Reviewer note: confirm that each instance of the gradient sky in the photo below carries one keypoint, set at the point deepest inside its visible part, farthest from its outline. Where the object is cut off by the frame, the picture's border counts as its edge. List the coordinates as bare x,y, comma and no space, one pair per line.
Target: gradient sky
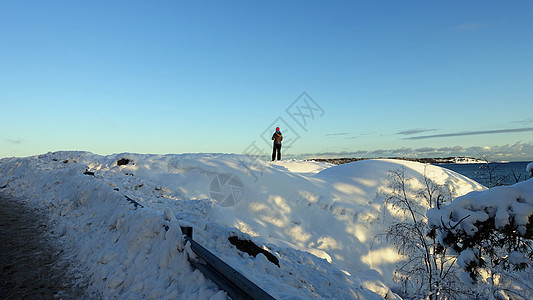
341,78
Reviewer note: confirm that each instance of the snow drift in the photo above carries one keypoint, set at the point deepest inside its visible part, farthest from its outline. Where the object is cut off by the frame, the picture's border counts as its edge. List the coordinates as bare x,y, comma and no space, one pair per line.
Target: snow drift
318,219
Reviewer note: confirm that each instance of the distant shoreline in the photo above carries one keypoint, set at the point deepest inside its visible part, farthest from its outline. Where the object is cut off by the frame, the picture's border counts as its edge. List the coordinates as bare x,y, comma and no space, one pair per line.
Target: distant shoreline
430,160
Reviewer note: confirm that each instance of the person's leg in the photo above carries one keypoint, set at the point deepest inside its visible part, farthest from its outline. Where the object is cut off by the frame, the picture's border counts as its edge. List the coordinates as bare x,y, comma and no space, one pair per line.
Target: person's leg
279,151
274,152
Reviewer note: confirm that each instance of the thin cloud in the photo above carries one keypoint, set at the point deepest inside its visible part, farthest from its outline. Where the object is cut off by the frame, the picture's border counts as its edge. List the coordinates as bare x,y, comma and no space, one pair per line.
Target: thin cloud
449,149
337,134
414,131
426,150
517,151
343,135
401,151
16,142
379,152
526,121
466,133
367,133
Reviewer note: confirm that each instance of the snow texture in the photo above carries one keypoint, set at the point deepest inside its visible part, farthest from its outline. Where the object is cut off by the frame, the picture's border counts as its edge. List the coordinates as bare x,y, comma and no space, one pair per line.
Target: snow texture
318,219
506,204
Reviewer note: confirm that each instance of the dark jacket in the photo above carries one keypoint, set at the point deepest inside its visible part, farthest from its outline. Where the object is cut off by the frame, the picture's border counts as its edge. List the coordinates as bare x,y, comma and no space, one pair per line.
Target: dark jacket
277,137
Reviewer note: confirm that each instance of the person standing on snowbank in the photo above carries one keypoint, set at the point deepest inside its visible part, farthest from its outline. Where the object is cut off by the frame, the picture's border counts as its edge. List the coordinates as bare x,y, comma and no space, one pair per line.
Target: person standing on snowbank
277,137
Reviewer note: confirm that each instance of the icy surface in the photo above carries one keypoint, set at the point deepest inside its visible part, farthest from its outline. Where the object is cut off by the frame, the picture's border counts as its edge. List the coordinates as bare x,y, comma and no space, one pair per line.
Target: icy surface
319,220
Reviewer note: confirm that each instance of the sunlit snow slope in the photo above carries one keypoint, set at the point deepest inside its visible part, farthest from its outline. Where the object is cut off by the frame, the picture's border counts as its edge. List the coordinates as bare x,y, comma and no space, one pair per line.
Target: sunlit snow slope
319,220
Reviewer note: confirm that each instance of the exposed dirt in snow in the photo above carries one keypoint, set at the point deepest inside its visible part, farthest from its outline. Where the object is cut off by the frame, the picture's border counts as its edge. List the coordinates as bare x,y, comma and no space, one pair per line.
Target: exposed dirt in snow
30,267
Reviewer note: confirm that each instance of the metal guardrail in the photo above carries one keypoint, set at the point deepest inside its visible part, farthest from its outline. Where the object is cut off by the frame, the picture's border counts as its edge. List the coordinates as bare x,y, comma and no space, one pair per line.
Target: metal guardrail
228,279
234,283
135,203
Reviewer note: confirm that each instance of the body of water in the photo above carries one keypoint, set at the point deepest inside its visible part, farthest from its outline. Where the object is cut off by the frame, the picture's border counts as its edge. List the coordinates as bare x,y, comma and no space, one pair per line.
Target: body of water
502,173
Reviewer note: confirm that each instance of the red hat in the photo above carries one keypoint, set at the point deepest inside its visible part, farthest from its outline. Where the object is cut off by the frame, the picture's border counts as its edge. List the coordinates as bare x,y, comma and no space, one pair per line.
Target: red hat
277,128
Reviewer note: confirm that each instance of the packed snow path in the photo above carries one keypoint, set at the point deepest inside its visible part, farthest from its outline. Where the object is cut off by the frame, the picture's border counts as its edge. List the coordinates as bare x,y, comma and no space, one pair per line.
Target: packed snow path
31,268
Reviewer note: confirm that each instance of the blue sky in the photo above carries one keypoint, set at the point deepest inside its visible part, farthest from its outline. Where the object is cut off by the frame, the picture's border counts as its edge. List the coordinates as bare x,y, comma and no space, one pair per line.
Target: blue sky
368,78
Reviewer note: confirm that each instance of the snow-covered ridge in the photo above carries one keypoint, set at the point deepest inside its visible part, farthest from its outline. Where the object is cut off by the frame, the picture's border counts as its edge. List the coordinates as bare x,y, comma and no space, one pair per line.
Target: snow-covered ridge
468,160
319,220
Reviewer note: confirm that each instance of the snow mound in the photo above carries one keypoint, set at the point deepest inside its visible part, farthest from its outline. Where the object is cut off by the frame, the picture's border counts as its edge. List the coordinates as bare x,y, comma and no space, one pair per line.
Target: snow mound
301,167
319,220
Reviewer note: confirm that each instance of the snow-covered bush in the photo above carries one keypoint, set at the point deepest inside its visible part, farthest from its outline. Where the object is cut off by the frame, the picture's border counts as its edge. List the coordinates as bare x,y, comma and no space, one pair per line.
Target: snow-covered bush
529,169
428,271
492,233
